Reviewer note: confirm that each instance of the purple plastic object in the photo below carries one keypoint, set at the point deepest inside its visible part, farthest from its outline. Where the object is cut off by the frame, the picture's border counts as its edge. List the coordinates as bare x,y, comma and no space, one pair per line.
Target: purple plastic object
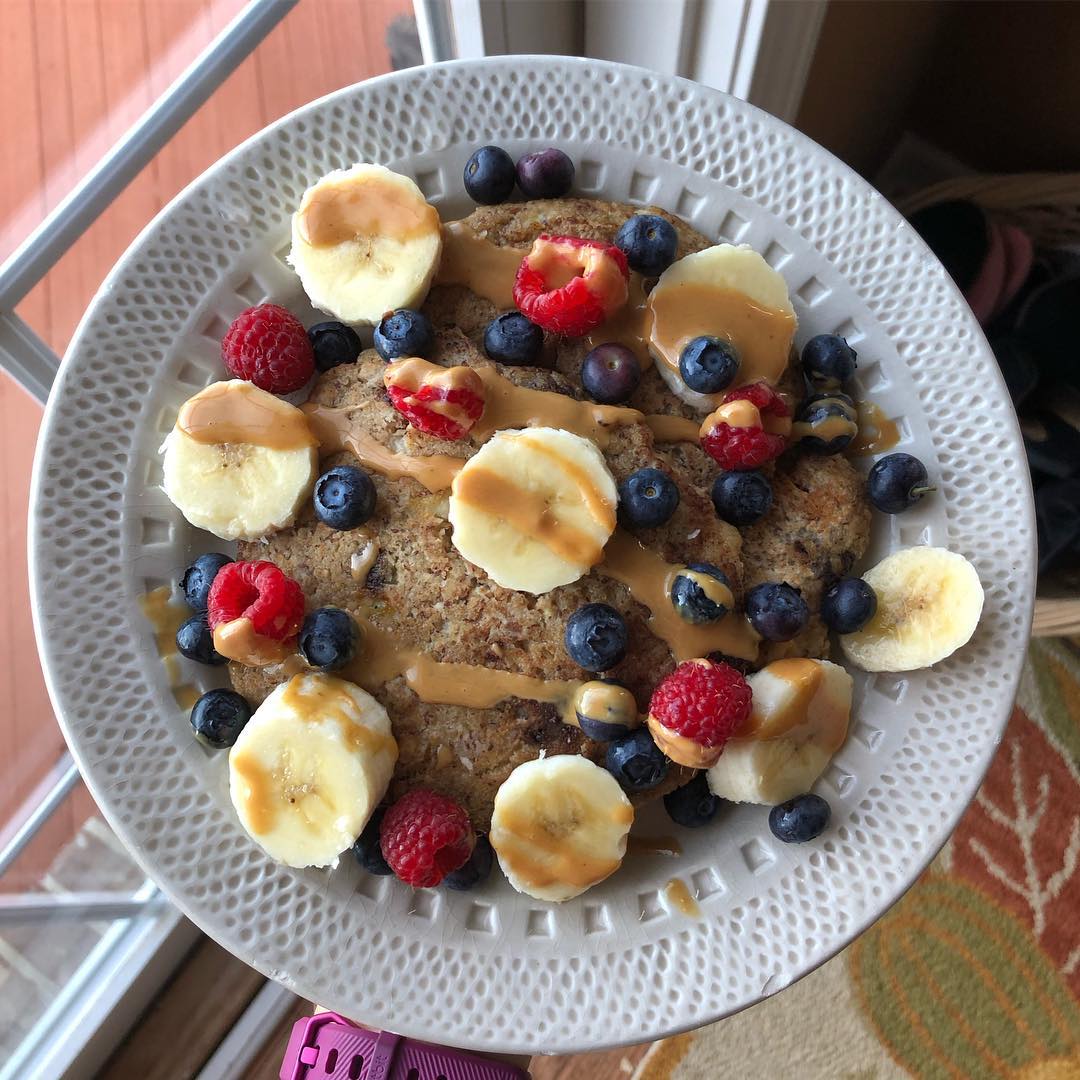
329,1047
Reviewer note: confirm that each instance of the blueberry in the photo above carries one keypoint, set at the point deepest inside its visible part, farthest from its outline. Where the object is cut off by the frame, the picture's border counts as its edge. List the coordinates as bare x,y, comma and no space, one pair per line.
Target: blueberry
489,175
195,641
701,593
692,805
741,498
512,339
708,365
610,373
897,482
218,717
848,605
334,343
475,870
596,637
199,576
776,610
636,761
800,819
828,361
367,849
344,497
649,243
605,710
647,498
826,423
329,638
545,174
404,333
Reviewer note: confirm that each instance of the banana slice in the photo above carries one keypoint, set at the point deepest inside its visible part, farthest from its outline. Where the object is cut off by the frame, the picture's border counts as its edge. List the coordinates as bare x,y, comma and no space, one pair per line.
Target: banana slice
929,603
239,462
727,292
310,767
365,241
534,508
799,720
559,826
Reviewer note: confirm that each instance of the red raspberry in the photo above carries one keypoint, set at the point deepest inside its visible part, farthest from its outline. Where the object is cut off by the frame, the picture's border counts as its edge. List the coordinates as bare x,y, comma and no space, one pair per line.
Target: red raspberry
703,701
761,394
425,836
569,286
735,449
444,402
268,346
258,591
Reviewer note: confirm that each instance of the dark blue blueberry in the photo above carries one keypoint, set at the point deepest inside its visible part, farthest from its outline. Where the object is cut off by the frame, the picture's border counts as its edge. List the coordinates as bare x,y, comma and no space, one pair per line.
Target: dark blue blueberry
512,339
649,243
596,637
610,373
692,805
545,174
708,365
741,498
700,593
826,423
344,497
647,498
333,343
475,871
605,710
218,717
367,849
776,610
800,819
897,482
848,605
404,333
636,761
489,175
828,362
195,641
199,576
329,638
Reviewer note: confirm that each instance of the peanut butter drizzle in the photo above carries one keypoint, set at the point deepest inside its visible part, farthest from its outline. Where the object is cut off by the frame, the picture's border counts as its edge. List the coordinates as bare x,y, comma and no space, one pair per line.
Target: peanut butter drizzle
601,508
361,562
363,207
444,757
738,413
186,695
678,895
259,792
806,678
648,577
629,325
653,845
673,429
832,427
319,697
876,431
165,617
480,265
681,750
238,412
238,641
608,703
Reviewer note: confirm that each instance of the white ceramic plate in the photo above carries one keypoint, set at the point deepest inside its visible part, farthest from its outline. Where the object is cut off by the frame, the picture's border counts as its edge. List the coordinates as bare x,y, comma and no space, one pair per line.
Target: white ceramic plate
492,969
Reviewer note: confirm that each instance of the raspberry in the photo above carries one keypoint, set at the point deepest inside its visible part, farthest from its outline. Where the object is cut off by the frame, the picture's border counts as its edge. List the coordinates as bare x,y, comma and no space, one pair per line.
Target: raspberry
444,402
703,701
739,448
762,395
266,345
258,591
425,836
596,287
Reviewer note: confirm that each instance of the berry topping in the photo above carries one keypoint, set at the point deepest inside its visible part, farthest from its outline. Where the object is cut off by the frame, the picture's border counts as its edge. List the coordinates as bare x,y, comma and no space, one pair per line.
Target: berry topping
195,641
636,761
702,702
776,610
404,333
610,373
741,498
828,362
897,482
328,638
476,869
692,805
605,710
425,836
334,344
647,498
734,437
649,243
570,286
848,605
442,402
199,576
268,346
800,819
763,397
218,717
367,850
512,339
489,175
708,365
258,591
701,593
596,637
344,497
545,174
826,423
